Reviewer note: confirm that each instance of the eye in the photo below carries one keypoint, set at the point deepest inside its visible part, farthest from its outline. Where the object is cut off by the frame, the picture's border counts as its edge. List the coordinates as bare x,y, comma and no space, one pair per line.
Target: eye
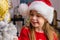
38,15
31,14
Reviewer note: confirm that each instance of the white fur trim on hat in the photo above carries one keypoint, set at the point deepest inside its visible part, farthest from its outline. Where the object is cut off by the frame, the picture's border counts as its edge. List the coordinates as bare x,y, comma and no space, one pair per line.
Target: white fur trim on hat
42,8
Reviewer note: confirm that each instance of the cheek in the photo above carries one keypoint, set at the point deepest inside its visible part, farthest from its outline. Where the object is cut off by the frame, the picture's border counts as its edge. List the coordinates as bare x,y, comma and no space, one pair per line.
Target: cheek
30,18
41,21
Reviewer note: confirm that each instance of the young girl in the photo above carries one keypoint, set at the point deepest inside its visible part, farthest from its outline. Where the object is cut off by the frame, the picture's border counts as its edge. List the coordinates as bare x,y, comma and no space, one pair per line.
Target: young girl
41,16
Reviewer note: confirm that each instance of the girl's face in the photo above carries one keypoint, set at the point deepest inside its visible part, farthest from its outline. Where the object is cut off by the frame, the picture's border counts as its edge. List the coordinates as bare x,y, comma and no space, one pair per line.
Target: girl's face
36,19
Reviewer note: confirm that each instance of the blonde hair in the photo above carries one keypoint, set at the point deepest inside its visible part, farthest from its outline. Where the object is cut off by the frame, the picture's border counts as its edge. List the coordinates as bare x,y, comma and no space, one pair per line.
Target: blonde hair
48,30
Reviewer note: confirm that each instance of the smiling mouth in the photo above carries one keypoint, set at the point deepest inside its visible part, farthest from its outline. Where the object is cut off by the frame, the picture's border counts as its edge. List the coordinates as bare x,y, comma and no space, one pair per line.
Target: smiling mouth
35,22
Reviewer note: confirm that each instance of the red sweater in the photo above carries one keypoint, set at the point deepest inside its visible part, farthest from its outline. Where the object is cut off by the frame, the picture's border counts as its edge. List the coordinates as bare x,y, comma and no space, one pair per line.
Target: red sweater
39,36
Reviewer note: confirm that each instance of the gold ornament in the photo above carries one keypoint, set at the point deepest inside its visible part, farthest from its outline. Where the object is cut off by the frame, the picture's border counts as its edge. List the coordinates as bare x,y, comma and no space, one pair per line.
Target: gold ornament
4,7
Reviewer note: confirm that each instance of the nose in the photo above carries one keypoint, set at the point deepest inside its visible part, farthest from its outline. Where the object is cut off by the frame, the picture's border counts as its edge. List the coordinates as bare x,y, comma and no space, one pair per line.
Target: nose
34,18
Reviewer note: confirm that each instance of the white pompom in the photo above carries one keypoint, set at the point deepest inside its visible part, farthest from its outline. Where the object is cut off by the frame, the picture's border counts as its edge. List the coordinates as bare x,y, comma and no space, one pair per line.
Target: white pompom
23,8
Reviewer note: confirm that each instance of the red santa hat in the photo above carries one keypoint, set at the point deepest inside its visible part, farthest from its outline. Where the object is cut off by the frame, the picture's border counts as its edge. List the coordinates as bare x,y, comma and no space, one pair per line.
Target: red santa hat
46,1
44,8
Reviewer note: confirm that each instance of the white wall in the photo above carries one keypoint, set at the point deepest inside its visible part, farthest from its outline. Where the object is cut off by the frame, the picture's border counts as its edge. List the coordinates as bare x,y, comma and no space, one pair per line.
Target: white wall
56,5
14,4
